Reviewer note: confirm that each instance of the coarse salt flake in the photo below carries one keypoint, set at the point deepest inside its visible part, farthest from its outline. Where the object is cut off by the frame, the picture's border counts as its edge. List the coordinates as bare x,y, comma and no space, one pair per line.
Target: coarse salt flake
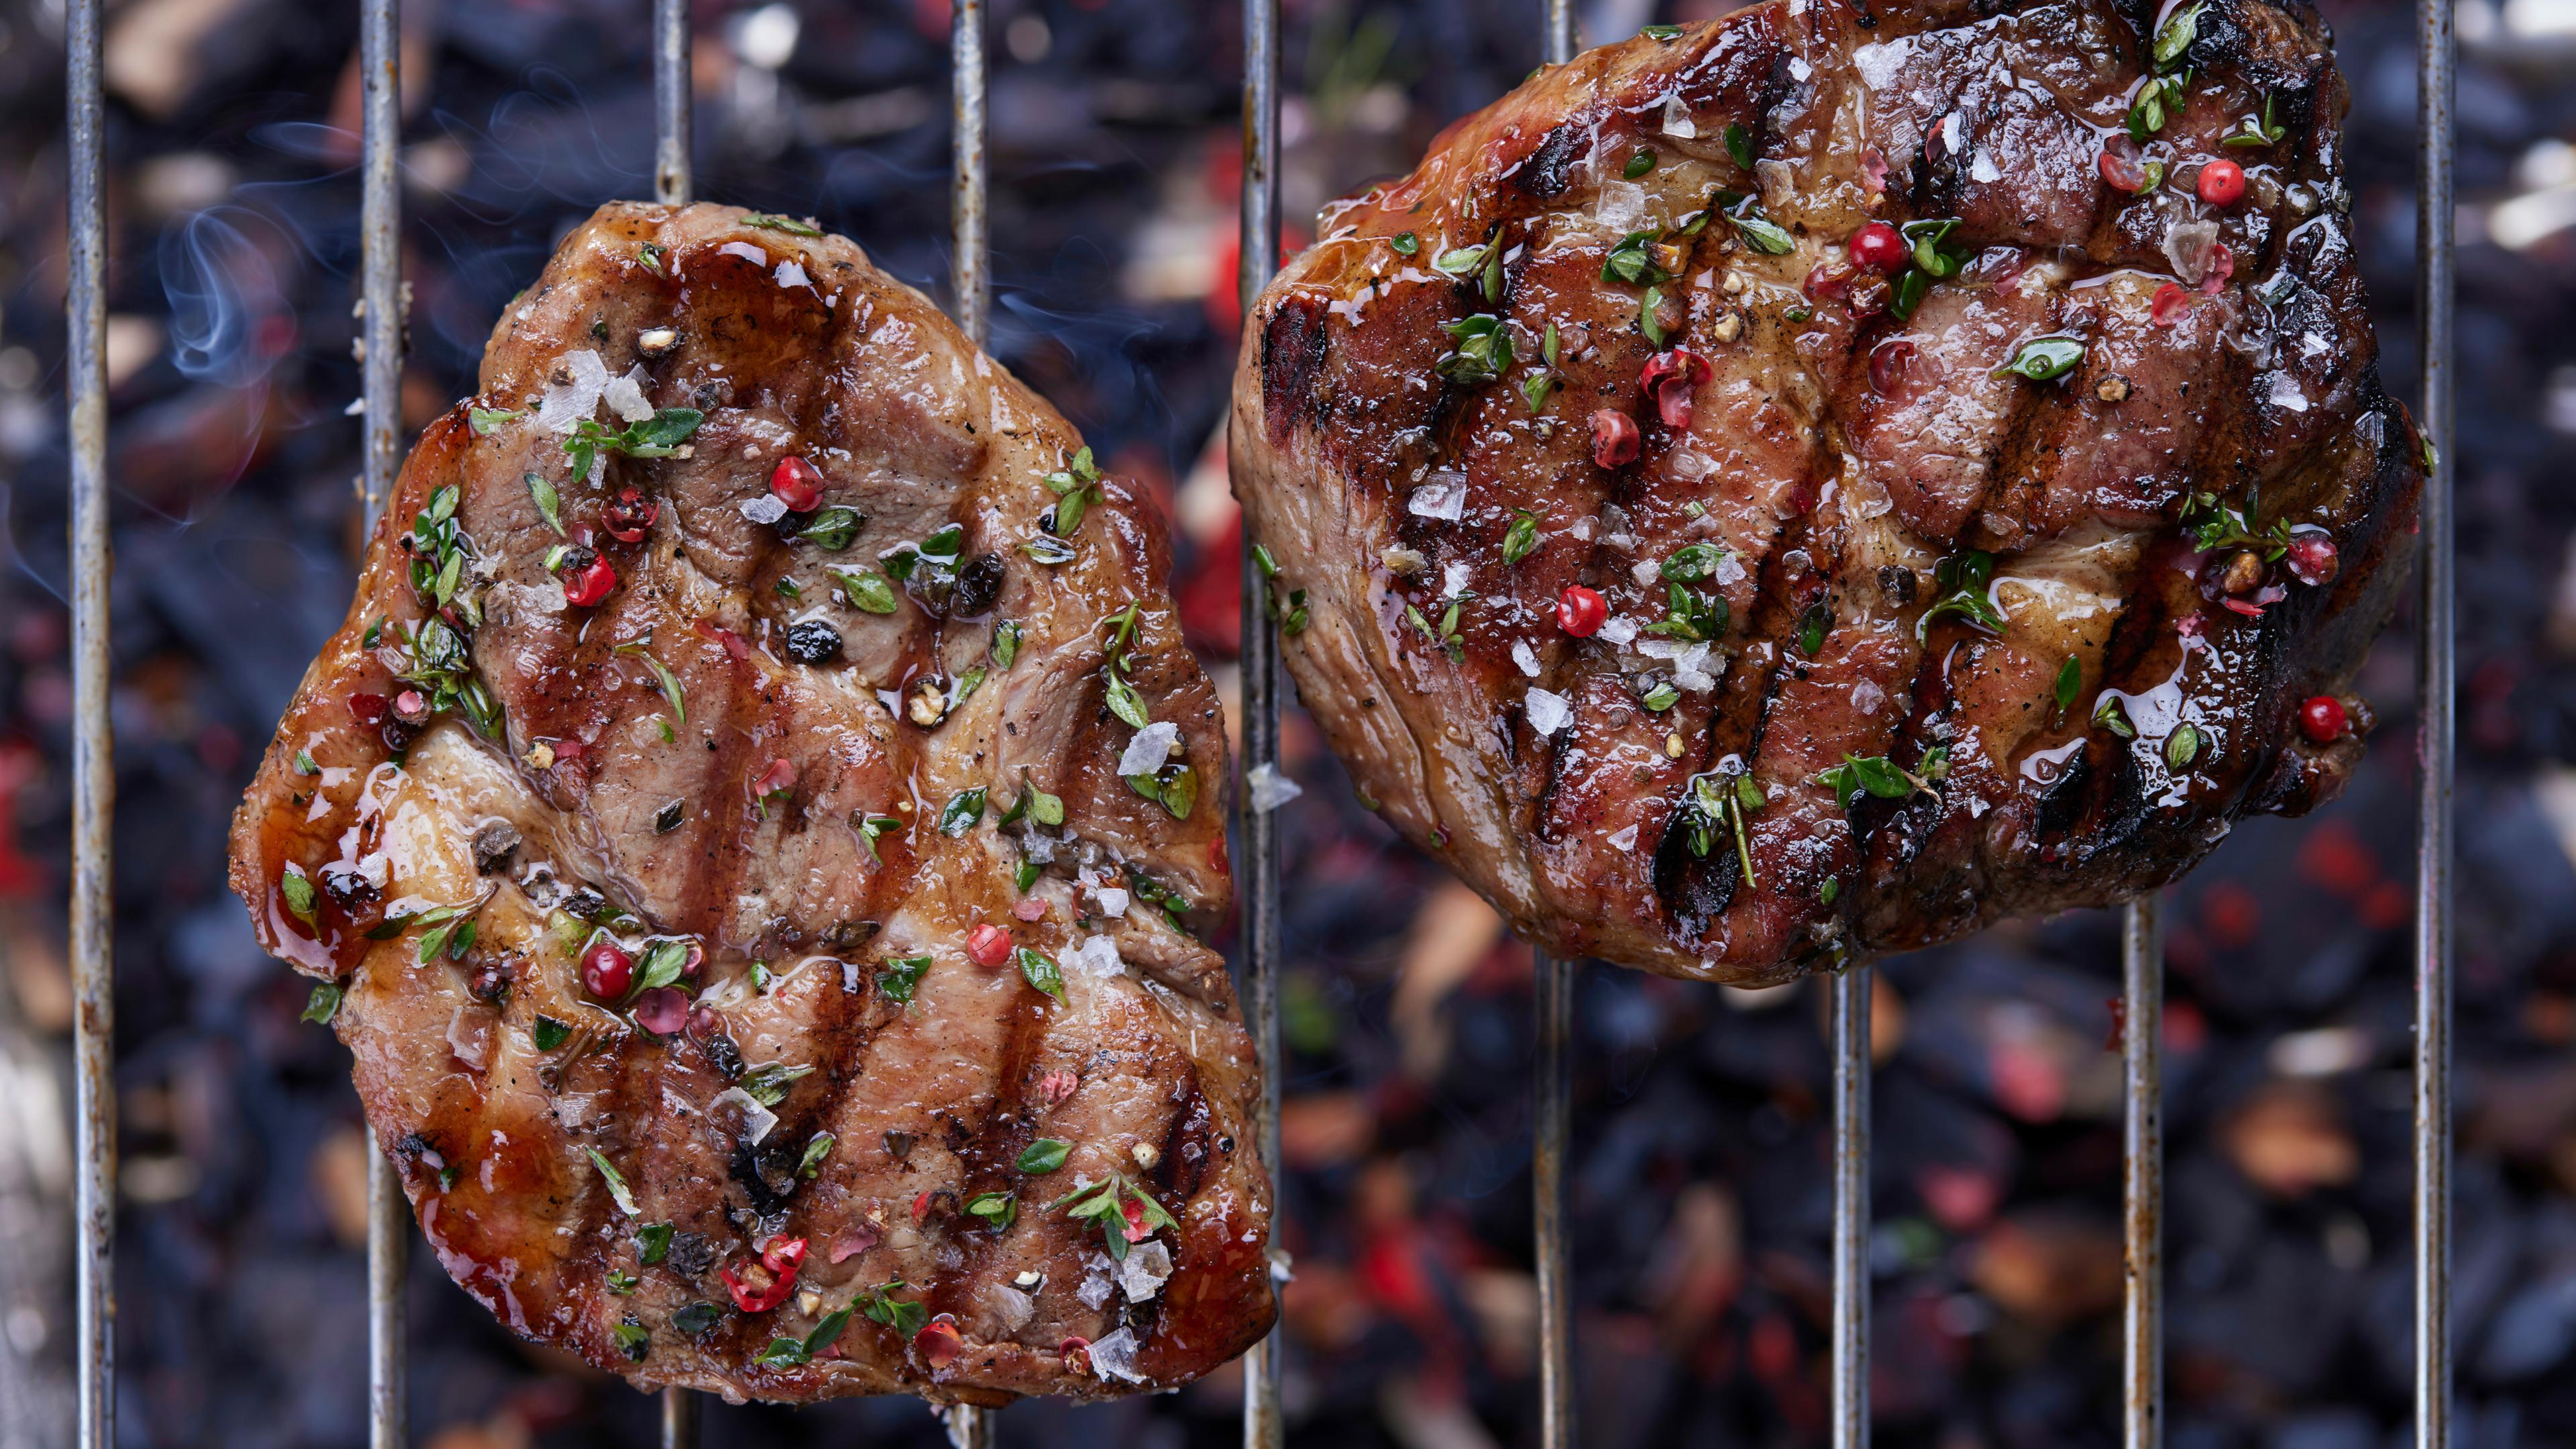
1097,956
1522,656
1442,496
1148,1264
572,402
1151,747
764,509
1115,1356
1548,712
1270,789
625,395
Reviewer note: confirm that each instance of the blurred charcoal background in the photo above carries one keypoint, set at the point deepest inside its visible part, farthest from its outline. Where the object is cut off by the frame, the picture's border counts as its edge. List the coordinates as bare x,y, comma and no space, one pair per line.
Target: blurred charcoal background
1700,1195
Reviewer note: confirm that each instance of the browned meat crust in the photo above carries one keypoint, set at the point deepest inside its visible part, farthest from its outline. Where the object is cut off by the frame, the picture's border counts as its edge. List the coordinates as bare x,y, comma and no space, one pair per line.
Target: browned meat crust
676,769
1834,454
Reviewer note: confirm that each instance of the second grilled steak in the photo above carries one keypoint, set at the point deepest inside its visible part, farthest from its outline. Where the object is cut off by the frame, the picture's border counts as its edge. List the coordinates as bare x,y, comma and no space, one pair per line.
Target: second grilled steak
1805,486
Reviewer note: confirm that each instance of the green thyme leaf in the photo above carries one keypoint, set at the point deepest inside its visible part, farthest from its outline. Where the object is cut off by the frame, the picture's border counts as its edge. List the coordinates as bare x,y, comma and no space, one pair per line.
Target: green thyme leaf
781,223
618,1192
324,1003
544,494
1039,972
878,1305
2174,37
817,1147
1763,235
2070,678
964,811
2182,747
1482,353
767,1083
1462,261
873,828
866,589
550,1033
1632,261
663,962
1811,628
1406,244
484,420
1739,144
670,682
900,976
1125,702
652,1241
1694,562
1044,1156
296,890
2044,359
833,528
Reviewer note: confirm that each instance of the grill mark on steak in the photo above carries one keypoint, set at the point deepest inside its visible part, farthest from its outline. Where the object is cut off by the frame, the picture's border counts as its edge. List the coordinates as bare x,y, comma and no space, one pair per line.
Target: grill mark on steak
1991,114
1293,344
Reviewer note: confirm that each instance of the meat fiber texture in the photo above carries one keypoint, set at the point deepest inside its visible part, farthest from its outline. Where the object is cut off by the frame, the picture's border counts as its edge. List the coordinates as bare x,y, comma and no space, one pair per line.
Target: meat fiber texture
798,832
1897,642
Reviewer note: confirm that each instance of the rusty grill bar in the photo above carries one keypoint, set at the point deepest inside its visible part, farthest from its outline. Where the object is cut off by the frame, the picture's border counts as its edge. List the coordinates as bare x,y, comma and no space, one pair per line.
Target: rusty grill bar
91,917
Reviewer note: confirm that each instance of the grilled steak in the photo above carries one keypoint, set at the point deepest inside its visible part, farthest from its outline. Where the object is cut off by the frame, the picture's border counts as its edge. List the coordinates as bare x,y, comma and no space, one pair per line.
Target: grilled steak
1808,485
758,810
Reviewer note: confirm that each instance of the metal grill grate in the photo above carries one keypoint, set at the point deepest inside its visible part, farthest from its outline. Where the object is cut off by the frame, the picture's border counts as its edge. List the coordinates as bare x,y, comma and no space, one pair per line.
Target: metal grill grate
93,778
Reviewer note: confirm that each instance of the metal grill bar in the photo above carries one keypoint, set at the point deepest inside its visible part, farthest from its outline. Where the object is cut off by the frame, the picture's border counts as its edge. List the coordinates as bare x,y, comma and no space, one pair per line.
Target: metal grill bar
967,277
1264,1419
1847,1031
2434,60
380,227
1552,1116
93,747
2142,1179
672,182
1550,1130
679,1419
968,1426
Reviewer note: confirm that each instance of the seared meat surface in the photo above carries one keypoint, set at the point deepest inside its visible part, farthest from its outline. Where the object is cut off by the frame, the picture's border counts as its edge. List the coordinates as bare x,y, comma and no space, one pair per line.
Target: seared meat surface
757,816
1807,485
